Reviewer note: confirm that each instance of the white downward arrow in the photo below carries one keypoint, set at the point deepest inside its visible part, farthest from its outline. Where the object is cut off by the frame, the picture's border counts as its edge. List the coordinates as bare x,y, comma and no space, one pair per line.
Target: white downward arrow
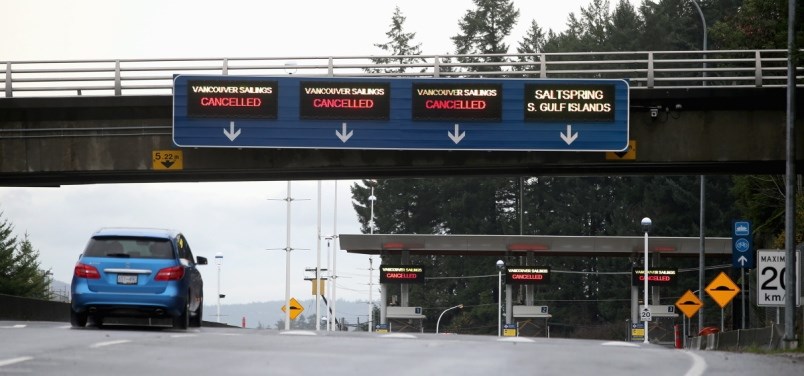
231,133
570,137
345,136
458,135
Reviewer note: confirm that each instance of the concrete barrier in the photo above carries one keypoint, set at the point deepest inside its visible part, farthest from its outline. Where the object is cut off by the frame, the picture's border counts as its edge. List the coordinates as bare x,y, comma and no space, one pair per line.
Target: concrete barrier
768,338
27,309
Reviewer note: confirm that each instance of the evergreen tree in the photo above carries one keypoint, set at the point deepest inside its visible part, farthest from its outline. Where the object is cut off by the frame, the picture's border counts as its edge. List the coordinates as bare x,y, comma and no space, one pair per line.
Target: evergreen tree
483,31
8,245
400,43
20,274
756,24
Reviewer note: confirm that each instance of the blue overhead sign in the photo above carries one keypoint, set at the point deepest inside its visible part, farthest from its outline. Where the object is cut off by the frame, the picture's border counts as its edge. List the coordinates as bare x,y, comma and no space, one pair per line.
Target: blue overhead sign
742,244
400,113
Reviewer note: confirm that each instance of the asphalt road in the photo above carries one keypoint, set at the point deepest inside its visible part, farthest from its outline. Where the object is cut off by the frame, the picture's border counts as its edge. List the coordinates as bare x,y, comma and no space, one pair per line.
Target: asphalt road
46,348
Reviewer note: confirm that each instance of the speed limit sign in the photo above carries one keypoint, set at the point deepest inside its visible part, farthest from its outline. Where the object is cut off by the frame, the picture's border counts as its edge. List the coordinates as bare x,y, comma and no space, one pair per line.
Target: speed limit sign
771,271
645,315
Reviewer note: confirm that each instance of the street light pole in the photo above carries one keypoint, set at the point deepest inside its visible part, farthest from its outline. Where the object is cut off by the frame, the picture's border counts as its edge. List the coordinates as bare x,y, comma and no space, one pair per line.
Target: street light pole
438,322
703,23
219,259
646,223
372,198
500,266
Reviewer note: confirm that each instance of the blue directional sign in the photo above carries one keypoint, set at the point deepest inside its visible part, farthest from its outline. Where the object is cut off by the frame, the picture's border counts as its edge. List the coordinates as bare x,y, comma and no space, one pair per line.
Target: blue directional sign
742,254
400,113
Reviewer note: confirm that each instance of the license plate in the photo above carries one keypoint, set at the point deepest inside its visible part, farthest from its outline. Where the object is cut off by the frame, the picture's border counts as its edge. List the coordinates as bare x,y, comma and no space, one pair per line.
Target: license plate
126,279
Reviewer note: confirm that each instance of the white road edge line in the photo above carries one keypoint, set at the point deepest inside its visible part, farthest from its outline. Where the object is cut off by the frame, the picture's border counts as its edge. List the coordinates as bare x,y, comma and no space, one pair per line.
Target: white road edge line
698,364
11,361
108,343
18,326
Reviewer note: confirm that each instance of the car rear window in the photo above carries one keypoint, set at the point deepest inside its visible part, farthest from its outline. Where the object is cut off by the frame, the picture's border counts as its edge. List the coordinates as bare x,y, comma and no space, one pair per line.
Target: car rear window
127,247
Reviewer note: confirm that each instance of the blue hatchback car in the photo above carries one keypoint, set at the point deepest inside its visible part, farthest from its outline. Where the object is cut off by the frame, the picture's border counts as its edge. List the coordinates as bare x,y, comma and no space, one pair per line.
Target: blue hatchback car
137,272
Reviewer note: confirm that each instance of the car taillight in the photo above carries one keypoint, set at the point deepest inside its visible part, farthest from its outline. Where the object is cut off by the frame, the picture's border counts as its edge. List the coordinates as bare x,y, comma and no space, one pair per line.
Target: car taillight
86,271
173,273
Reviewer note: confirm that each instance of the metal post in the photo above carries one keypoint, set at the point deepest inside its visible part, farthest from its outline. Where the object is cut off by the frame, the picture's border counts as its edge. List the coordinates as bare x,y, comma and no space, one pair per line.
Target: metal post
790,192
742,296
646,225
702,252
219,258
645,277
499,302
703,24
335,255
318,265
287,266
372,198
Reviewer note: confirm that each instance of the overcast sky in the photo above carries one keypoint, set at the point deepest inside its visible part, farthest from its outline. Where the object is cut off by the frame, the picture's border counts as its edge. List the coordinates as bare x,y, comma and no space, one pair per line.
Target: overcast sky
238,219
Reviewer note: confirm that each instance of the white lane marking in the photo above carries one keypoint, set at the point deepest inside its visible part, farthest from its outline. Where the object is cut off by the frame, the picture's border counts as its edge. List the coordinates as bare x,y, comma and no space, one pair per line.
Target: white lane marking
297,333
11,361
515,339
398,335
18,326
619,343
108,343
183,335
698,364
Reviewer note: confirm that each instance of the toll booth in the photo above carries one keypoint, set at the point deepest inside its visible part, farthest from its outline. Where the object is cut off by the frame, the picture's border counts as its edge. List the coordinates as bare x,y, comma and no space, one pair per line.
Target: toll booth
661,326
405,319
534,321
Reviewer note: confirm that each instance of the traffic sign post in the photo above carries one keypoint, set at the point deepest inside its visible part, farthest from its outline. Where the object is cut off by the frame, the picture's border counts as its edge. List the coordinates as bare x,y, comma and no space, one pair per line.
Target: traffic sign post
295,308
742,244
722,290
689,304
400,113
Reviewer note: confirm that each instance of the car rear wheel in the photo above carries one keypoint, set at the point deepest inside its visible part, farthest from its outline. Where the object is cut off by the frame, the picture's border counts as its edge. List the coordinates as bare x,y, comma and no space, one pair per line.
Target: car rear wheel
78,319
182,321
195,321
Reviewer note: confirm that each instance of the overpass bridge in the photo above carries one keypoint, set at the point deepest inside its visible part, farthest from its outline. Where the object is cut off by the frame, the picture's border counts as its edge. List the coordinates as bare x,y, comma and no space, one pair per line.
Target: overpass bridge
105,121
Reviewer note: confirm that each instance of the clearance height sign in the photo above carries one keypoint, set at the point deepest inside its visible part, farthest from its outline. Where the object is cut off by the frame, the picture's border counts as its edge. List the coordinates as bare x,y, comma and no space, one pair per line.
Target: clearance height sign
400,113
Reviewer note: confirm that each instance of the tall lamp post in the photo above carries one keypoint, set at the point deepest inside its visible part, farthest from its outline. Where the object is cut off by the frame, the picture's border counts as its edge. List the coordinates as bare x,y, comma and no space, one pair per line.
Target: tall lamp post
500,267
219,260
372,198
701,261
646,223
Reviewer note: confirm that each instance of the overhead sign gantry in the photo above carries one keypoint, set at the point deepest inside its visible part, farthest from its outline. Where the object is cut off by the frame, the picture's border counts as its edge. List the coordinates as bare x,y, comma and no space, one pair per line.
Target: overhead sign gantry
400,113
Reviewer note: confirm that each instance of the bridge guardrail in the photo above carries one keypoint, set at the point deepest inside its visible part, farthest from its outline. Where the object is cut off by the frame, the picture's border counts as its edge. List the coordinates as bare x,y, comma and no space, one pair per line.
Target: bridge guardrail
644,69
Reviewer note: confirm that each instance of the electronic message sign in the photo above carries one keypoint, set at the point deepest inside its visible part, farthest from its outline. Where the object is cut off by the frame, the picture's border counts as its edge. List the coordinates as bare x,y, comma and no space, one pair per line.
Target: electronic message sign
527,275
381,113
344,100
457,101
401,274
569,102
656,277
232,99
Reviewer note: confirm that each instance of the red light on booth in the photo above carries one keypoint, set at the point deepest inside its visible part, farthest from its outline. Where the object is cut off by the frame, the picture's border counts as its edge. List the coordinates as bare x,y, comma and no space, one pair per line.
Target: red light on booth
527,247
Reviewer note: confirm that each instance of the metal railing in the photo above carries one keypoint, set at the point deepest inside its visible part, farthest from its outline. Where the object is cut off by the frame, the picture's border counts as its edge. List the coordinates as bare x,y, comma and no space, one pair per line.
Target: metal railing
644,70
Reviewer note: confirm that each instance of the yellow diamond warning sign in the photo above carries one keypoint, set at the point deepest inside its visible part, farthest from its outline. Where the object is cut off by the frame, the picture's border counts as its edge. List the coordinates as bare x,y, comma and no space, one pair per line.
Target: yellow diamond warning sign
295,308
689,304
722,289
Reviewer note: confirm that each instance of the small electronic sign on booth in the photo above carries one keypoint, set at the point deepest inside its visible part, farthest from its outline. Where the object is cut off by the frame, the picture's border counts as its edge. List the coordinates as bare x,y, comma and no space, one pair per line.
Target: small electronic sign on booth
403,319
